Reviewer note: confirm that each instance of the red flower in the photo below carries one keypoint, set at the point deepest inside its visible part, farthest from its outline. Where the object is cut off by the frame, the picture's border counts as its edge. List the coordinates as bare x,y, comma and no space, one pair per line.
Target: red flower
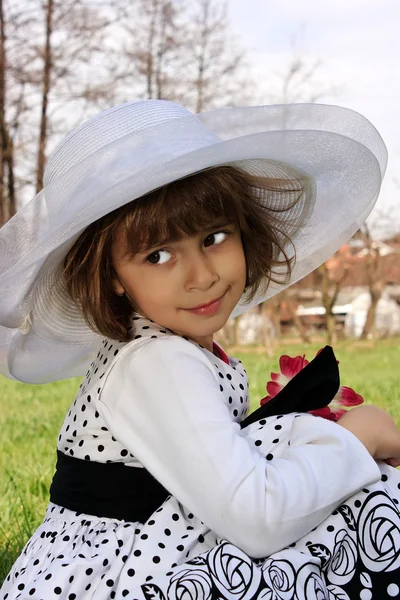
345,397
289,368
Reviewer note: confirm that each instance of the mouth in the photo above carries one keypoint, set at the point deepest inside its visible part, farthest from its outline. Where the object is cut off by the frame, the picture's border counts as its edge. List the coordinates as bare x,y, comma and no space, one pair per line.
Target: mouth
209,308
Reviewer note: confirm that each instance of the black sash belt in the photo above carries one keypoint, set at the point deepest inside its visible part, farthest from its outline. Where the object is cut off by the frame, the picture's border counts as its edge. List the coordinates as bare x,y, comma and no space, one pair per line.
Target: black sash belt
106,489
132,494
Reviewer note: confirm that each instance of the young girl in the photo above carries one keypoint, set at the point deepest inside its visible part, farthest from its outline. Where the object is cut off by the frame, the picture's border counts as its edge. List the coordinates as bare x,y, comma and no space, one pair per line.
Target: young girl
154,226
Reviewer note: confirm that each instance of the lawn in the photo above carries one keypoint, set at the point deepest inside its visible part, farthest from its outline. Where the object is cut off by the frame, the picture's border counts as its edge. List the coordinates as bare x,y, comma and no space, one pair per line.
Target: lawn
30,417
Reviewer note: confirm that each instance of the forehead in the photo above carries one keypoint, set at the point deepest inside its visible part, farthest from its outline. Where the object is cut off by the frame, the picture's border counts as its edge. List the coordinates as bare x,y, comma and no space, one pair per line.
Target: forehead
180,210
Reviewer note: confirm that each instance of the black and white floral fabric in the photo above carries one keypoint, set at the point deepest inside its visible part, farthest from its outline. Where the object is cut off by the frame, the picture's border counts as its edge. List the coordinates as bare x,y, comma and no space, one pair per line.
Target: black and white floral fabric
352,553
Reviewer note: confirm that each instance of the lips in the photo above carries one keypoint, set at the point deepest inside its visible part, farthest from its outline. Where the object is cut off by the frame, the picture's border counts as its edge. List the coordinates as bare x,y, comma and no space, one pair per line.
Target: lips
208,309
208,303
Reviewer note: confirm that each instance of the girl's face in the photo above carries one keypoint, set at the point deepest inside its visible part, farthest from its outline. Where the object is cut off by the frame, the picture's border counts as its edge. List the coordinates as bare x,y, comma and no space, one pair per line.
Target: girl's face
190,285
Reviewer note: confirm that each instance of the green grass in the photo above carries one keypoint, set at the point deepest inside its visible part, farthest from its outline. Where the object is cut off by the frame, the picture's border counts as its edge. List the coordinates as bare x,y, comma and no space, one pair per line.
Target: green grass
30,418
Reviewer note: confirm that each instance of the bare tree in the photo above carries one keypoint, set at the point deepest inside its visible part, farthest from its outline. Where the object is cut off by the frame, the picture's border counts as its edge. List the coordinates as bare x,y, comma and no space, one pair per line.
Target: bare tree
63,59
47,71
7,187
154,48
218,61
380,261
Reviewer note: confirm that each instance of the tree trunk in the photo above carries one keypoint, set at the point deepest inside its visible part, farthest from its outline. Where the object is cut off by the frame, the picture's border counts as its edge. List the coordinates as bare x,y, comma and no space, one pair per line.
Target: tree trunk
270,311
7,188
328,302
296,319
369,325
205,5
3,195
47,68
330,329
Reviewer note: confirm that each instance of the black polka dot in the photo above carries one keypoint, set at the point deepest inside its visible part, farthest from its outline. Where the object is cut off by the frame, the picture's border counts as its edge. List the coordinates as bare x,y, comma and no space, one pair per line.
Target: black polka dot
89,571
32,591
201,539
270,456
277,427
180,548
137,553
258,443
384,477
109,582
21,586
156,559
175,517
57,590
167,531
124,452
72,597
330,528
100,448
131,572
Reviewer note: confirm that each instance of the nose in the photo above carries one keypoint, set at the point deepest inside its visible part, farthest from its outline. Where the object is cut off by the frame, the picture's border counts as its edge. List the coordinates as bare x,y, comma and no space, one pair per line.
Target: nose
201,272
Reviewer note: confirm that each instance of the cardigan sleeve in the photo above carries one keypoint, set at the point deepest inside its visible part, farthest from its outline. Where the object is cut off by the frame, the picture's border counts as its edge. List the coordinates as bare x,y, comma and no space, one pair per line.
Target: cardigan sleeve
162,400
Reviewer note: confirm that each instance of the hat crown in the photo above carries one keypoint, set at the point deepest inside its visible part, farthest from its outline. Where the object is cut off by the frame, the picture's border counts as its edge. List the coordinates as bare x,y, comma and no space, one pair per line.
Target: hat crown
107,127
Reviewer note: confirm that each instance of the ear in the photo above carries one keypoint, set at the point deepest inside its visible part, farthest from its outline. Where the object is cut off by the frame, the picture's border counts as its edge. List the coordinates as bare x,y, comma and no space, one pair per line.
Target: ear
119,290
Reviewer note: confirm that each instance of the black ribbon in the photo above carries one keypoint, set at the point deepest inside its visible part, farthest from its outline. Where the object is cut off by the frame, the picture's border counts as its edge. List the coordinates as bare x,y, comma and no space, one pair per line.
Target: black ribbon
132,494
313,387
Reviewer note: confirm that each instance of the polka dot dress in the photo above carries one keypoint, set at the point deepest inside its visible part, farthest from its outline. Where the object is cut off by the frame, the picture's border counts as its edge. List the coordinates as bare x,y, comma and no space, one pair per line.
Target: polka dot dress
355,553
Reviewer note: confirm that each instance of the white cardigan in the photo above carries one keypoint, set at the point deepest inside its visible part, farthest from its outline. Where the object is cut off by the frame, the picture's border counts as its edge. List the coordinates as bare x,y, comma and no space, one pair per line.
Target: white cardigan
168,401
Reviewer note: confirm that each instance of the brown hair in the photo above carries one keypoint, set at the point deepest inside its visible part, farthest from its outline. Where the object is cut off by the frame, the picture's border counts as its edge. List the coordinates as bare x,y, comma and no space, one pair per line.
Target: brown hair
183,207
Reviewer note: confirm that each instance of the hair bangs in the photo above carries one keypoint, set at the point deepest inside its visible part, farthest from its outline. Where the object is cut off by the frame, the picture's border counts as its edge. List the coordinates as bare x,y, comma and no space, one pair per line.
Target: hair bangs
181,209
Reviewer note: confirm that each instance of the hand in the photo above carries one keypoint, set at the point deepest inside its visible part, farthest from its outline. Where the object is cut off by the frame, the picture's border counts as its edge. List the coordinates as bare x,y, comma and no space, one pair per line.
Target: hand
376,429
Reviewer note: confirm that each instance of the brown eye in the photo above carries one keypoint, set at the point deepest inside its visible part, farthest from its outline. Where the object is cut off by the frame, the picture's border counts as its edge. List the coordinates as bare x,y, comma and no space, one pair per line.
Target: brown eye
159,257
215,238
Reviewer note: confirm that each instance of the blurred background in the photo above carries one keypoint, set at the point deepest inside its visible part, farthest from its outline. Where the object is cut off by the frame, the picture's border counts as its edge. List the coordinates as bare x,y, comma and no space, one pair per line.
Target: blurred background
64,60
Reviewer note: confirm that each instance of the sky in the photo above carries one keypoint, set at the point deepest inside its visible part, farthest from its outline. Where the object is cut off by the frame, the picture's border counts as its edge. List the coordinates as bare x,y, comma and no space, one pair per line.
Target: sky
357,46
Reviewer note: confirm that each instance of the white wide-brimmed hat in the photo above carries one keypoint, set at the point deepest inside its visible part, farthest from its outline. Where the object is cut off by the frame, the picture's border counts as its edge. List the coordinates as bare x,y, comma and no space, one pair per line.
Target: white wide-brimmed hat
132,149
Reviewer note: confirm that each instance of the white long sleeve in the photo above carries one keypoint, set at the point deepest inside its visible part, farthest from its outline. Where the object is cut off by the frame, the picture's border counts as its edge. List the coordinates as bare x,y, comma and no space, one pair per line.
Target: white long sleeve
162,400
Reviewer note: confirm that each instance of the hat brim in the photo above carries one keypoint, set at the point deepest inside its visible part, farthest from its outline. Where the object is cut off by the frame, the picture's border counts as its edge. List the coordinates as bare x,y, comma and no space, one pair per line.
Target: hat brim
43,336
